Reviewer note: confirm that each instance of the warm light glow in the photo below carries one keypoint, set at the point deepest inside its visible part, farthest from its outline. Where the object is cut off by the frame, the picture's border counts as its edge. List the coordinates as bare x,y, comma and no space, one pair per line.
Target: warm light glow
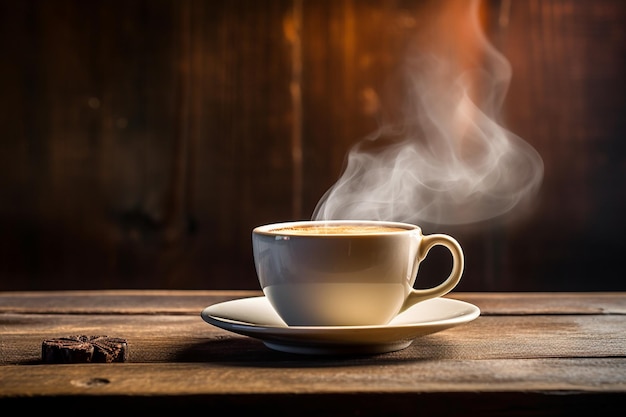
446,159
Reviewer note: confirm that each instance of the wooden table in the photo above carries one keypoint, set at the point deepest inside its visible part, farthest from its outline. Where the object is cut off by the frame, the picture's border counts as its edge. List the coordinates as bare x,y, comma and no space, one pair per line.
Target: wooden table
527,354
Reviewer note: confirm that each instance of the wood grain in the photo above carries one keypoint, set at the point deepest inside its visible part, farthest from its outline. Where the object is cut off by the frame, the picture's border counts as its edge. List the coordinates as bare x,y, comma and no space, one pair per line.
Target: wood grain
191,302
318,378
530,354
158,338
142,142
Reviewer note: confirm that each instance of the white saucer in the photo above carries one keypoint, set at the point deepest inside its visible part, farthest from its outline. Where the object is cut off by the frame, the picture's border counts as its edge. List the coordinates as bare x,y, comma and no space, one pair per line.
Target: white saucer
255,317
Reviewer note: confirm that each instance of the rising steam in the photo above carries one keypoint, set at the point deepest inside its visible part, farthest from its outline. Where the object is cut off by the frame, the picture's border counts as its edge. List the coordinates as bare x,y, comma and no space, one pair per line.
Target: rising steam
446,159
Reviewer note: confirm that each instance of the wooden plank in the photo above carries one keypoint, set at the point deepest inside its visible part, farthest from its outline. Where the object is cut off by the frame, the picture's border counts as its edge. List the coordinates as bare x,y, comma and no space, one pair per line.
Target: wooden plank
141,142
116,301
243,116
346,54
86,174
175,338
536,353
171,379
508,303
192,301
567,100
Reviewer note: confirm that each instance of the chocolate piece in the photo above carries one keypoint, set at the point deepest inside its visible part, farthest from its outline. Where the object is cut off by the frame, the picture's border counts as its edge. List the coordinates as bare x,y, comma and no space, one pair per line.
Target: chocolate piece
84,349
109,349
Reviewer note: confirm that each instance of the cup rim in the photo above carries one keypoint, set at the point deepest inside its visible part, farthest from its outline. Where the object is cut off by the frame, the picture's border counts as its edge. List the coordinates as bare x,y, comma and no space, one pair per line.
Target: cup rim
269,229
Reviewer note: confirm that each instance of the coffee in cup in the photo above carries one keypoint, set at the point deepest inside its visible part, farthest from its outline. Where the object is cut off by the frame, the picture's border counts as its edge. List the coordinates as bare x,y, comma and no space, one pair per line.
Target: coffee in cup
346,272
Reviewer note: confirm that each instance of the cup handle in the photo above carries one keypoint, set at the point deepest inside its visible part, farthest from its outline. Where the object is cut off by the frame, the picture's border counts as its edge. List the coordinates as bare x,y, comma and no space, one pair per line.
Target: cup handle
458,262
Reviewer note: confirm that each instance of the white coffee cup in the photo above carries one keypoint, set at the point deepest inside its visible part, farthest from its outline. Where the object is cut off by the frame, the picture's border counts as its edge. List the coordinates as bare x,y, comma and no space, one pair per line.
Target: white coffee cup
346,272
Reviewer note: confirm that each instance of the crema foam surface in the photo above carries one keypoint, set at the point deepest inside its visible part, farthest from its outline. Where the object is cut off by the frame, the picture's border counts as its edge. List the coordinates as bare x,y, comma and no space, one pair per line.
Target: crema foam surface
337,229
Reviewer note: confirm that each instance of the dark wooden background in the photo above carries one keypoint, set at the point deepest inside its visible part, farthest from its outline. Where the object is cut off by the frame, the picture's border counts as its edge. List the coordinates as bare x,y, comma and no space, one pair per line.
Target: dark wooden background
141,141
